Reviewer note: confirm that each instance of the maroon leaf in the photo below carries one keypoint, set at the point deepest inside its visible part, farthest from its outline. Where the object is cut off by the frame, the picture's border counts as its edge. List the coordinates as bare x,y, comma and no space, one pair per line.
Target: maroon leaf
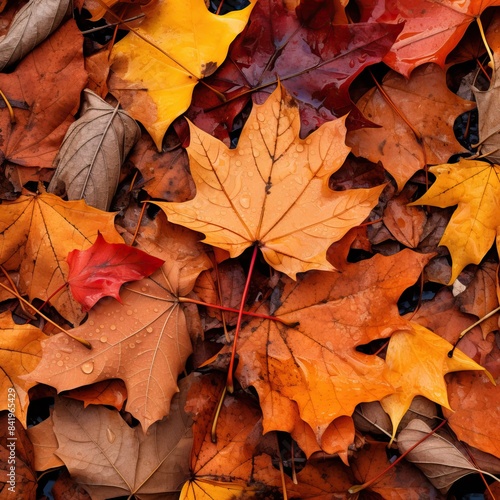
316,66
102,269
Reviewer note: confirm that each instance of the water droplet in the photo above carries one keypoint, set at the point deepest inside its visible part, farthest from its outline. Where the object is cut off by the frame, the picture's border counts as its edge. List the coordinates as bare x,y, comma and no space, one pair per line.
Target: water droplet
143,289
112,327
88,367
58,354
130,312
250,174
110,435
131,345
351,63
149,329
98,330
69,350
60,363
103,339
101,326
245,200
261,117
237,163
155,310
91,323
299,148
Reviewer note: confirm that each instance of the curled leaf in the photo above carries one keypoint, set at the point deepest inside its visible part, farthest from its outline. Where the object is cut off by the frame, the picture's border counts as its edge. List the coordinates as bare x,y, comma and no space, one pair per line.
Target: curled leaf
90,158
31,26
437,457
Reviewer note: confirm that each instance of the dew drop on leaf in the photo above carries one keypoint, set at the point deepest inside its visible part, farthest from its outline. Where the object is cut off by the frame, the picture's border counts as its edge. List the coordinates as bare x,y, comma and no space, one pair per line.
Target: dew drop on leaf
110,435
88,367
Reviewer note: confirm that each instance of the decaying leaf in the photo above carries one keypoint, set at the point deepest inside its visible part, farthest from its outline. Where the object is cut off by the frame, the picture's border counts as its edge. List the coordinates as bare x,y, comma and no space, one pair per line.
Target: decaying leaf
475,187
109,458
421,358
89,160
272,191
156,67
38,232
45,98
437,457
101,270
416,117
20,353
32,25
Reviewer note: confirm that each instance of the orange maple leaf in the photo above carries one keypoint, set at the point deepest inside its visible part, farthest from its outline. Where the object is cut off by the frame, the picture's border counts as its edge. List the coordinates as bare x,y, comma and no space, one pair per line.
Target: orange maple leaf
272,190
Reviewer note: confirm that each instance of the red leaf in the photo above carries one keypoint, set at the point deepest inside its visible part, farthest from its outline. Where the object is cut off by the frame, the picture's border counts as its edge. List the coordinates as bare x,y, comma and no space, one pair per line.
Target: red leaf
101,270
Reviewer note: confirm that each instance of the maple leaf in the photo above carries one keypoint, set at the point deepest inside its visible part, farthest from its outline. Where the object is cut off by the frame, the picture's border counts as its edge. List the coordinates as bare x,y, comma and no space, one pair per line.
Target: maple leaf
273,189
421,358
92,441
156,67
416,118
144,341
475,187
20,353
102,269
319,369
315,64
44,100
432,28
38,232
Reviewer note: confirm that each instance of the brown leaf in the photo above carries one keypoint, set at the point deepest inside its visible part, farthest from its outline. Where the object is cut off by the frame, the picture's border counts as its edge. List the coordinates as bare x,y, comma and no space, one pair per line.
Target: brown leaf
417,122
109,458
16,460
31,25
45,445
44,97
92,153
108,393
437,457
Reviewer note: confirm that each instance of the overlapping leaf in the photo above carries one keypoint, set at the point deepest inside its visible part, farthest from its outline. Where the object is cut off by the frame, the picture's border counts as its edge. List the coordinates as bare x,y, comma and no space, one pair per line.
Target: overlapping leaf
272,190
156,66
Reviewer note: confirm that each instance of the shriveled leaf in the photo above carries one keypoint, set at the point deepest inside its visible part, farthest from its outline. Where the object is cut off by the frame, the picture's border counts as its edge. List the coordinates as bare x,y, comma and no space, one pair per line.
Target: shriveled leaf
38,232
109,458
32,25
144,341
45,445
101,270
421,359
272,190
156,67
90,158
416,118
319,369
16,461
432,28
437,457
45,97
20,353
475,187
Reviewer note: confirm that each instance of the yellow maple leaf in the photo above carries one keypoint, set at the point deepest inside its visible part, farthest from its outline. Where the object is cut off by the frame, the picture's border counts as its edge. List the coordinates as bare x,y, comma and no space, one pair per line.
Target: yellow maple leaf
272,190
475,187
421,359
156,67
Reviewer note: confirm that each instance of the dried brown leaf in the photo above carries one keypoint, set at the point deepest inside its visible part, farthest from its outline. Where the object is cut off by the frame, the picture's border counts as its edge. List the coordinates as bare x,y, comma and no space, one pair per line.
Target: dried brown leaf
95,146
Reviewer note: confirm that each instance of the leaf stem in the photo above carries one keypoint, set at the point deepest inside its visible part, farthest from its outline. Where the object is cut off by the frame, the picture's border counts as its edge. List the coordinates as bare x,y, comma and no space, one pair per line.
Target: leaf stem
359,487
84,342
230,373
487,47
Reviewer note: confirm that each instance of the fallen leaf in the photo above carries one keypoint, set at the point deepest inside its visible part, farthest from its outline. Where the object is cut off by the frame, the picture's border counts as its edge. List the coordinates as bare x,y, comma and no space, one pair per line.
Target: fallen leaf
38,232
44,99
431,28
92,441
272,190
316,65
17,459
107,393
475,414
416,116
475,187
66,488
101,270
20,353
421,358
90,158
319,369
402,481
32,24
156,67
437,456
44,445
144,341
